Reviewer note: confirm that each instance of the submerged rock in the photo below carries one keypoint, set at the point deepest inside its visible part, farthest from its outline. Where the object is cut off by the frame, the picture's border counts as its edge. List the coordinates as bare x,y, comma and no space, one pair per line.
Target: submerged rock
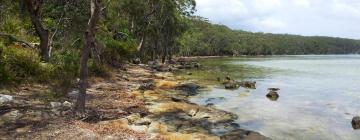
190,89
272,95
274,89
243,135
231,84
356,122
248,84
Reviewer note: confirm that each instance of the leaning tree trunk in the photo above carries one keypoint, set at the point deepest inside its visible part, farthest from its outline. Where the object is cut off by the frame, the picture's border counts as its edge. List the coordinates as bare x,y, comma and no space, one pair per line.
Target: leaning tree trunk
40,30
89,43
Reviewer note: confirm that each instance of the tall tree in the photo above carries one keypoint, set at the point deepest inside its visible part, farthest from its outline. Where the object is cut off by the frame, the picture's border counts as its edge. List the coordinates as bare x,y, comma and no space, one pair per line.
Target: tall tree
89,43
34,7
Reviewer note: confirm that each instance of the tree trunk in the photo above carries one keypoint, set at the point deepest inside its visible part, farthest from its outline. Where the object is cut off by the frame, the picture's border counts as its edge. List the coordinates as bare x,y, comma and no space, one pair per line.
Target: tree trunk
141,48
153,51
89,43
163,59
40,30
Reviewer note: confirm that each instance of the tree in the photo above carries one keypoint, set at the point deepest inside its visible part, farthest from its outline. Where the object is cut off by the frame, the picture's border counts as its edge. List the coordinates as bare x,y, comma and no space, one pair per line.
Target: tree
34,8
89,43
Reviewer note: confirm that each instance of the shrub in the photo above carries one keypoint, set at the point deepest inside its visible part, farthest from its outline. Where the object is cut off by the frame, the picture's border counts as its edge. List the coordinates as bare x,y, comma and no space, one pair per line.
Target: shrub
19,64
117,51
98,70
64,71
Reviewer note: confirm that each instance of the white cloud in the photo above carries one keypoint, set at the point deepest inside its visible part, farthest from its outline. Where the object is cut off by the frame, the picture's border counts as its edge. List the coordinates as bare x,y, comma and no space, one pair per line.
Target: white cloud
339,18
302,3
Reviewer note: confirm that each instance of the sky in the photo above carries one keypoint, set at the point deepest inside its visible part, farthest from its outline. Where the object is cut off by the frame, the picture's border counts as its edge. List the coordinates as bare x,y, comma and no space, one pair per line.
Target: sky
336,18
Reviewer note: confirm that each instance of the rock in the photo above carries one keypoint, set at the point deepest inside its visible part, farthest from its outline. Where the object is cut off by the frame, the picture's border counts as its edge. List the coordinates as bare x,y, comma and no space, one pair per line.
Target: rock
55,105
152,63
243,135
274,89
73,94
4,91
248,84
171,62
209,100
137,120
189,73
125,77
178,99
193,112
147,85
136,61
228,78
162,68
190,89
272,95
156,127
231,84
10,117
5,99
356,122
67,104
209,105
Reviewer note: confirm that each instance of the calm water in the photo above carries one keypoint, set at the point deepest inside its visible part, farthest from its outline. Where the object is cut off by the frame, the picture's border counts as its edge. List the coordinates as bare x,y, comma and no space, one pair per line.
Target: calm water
319,94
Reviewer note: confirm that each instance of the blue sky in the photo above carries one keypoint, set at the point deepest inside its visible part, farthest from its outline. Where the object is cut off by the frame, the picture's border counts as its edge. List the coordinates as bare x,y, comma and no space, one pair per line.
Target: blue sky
336,18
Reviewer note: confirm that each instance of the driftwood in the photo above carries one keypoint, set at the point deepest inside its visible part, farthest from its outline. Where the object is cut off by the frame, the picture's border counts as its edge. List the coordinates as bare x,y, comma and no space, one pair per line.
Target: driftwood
14,39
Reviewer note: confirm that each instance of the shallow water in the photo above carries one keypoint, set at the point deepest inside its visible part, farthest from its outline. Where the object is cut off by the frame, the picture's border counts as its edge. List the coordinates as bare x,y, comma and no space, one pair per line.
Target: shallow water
319,94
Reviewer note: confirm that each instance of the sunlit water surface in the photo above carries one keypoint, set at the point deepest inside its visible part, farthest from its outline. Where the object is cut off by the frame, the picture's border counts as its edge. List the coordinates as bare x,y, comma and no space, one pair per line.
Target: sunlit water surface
319,94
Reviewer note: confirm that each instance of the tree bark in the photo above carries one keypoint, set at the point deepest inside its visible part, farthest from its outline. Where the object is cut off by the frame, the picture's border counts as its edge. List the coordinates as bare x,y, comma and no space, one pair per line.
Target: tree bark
89,43
40,30
165,50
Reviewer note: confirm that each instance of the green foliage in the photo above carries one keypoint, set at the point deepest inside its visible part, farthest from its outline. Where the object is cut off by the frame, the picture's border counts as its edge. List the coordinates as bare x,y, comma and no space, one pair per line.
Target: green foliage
19,64
64,71
98,70
204,38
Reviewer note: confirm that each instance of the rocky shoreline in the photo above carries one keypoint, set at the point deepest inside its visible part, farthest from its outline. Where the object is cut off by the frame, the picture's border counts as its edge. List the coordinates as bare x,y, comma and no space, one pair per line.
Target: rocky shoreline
142,102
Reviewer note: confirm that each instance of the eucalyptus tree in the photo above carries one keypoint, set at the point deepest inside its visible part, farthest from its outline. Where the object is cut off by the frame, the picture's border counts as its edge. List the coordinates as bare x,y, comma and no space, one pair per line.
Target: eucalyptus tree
34,8
95,10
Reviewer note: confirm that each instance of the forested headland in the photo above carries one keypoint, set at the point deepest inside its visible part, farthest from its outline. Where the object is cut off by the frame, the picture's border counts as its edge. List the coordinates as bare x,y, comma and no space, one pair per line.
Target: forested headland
204,39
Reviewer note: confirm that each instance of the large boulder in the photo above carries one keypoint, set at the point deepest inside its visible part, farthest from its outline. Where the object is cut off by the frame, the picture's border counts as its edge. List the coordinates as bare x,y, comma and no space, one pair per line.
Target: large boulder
356,122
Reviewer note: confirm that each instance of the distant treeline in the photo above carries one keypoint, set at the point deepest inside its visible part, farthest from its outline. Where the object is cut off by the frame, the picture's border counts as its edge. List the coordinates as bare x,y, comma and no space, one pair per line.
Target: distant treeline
204,38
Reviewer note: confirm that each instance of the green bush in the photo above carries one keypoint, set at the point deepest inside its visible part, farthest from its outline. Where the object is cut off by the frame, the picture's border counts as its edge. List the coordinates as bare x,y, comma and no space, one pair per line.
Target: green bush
19,64
98,70
117,51
64,71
